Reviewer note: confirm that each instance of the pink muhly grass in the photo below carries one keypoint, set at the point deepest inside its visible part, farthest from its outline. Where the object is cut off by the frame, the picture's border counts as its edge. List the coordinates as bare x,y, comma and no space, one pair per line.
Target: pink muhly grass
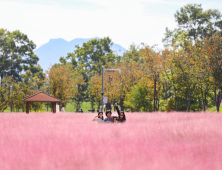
71,141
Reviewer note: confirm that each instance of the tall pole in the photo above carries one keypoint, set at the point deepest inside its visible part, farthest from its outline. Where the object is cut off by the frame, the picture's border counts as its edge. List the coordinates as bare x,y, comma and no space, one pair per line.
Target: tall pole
1,70
102,87
154,97
108,95
103,69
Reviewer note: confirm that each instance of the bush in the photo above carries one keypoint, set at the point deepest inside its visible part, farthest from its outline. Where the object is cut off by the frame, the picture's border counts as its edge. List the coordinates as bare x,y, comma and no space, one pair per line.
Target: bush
138,98
169,104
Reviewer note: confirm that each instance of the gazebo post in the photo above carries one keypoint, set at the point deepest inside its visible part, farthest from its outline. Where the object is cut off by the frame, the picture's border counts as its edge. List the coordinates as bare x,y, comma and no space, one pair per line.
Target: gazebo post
27,107
53,107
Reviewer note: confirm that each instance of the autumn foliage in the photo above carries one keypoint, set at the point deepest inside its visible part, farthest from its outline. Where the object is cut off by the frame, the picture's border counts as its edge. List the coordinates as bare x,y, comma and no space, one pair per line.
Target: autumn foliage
186,74
62,82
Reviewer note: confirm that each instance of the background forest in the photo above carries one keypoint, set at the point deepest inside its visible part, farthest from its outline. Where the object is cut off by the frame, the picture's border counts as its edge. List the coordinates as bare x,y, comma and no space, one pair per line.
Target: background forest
185,76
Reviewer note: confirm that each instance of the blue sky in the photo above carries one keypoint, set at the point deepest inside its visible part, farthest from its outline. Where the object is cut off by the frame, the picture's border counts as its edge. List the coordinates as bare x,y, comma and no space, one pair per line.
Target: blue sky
124,21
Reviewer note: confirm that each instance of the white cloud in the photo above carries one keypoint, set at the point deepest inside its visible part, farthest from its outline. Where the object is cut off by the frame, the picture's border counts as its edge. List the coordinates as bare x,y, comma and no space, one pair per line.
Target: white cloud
123,21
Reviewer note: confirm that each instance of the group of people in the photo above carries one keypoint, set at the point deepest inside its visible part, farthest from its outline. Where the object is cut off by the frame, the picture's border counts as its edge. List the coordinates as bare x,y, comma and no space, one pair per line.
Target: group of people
109,118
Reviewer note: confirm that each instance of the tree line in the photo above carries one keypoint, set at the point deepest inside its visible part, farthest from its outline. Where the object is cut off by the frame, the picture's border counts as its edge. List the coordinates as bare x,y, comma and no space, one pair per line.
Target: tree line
184,76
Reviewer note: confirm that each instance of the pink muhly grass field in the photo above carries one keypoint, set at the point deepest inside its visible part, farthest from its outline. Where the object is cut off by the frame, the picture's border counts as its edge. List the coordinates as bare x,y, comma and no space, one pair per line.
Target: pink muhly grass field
71,141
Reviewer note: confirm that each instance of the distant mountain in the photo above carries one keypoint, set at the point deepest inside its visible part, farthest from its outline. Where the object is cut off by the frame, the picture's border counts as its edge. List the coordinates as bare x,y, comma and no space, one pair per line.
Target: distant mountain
50,52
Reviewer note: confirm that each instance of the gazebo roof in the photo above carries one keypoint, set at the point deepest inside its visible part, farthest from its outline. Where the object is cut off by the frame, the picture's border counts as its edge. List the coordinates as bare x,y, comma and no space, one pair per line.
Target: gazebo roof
41,97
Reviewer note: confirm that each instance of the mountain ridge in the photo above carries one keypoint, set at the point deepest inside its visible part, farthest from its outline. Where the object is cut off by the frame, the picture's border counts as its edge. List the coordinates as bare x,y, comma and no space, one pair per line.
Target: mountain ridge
50,52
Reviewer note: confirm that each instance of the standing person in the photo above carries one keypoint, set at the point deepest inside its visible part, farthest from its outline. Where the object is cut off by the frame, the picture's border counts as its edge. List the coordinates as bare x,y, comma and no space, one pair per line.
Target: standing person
121,115
218,102
108,106
99,118
109,118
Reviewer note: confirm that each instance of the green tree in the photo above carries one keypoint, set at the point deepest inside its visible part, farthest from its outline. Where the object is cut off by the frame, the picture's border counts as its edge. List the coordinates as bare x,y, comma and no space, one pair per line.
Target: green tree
138,99
16,54
195,22
88,60
91,56
12,93
133,54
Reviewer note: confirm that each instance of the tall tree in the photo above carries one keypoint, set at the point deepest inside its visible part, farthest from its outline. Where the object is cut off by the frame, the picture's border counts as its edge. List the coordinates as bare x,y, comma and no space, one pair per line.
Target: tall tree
88,60
16,54
195,22
133,54
91,56
63,82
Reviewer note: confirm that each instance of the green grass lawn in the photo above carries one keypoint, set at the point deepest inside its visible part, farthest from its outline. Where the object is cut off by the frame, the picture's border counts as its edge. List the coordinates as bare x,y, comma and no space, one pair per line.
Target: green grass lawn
87,106
7,110
68,108
214,109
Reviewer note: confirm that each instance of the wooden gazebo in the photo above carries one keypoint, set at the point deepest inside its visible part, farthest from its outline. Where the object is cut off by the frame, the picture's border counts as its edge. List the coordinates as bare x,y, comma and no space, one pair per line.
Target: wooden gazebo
41,97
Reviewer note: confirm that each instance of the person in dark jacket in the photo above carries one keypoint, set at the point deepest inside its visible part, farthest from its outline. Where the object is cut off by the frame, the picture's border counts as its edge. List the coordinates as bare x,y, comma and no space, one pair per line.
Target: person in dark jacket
121,115
109,117
218,102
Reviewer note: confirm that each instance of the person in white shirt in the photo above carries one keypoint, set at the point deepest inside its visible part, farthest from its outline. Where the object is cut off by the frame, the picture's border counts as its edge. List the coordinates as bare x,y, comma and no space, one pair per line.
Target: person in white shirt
99,118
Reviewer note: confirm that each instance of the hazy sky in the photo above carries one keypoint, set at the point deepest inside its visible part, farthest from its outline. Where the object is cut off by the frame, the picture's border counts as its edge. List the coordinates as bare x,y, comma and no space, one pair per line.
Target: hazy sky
124,21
